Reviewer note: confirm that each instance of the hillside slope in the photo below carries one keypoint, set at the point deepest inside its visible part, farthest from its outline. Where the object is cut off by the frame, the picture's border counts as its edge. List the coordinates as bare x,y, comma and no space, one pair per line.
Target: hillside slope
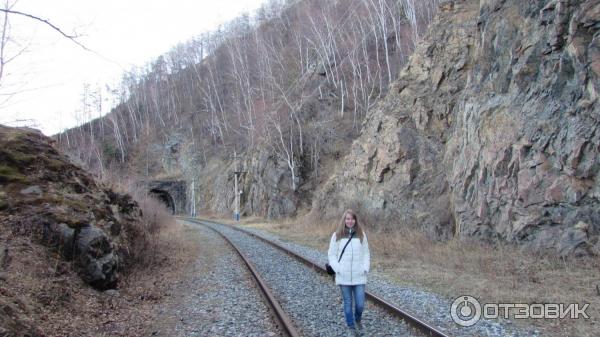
283,90
57,225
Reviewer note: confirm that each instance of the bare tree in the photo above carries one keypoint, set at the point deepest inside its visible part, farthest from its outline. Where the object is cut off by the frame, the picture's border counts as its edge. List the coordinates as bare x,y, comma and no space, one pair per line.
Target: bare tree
11,48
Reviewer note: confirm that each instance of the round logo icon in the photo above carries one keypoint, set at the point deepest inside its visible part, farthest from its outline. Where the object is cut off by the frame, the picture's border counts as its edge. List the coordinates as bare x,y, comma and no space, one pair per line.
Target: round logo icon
465,310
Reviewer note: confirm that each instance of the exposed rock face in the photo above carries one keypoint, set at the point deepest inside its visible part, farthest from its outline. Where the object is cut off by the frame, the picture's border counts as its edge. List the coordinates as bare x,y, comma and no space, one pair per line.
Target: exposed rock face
491,131
95,253
44,196
525,156
265,185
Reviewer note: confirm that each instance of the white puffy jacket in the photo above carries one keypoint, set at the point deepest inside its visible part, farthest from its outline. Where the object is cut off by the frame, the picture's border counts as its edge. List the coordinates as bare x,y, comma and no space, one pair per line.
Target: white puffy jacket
355,263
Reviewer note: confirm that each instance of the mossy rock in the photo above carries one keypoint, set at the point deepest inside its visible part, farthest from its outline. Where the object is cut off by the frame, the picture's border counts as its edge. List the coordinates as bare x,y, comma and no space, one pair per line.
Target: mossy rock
11,174
3,201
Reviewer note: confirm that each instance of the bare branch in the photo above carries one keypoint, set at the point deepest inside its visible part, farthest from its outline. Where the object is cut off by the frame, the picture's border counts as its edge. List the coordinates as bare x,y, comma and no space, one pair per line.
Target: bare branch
47,22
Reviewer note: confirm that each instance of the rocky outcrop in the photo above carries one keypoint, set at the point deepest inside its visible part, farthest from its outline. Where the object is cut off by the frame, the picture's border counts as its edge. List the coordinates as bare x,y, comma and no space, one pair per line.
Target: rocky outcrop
44,196
491,130
395,170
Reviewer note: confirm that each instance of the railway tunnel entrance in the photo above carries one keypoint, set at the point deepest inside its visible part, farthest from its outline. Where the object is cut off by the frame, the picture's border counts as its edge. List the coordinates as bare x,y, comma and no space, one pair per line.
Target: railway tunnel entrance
171,192
165,198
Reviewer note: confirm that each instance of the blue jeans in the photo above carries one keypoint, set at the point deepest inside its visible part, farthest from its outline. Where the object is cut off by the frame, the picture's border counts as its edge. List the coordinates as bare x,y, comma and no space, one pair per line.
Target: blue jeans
356,292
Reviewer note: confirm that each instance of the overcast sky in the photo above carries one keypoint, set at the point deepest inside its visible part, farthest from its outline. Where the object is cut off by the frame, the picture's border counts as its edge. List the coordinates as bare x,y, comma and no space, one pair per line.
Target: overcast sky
49,76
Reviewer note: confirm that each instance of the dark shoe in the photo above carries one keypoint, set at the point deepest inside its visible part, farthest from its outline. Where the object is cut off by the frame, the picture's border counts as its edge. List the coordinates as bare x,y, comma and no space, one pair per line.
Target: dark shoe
359,325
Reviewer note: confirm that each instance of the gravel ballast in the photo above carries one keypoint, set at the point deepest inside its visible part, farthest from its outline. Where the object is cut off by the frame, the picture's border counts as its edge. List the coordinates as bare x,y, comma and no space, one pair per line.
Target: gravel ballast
219,298
312,300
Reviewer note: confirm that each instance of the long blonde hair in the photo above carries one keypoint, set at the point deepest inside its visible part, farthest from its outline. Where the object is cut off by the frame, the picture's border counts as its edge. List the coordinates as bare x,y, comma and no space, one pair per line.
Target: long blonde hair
339,232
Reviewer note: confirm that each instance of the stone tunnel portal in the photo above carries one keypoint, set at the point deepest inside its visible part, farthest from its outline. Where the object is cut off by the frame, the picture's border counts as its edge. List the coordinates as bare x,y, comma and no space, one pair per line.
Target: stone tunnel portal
171,192
165,197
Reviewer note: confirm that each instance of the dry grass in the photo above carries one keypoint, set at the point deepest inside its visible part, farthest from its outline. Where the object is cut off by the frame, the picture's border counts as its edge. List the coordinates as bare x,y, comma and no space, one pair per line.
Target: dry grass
148,236
42,295
494,274
499,273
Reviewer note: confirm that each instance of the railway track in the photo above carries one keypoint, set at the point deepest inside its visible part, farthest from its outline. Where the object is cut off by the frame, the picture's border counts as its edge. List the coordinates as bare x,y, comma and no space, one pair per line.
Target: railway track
283,320
307,326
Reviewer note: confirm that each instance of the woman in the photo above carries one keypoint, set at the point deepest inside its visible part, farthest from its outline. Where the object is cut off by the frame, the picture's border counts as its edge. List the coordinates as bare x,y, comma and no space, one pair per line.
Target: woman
351,267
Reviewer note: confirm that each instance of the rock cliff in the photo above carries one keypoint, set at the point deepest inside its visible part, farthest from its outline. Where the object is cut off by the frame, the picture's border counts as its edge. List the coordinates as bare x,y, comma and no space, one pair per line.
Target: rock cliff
490,131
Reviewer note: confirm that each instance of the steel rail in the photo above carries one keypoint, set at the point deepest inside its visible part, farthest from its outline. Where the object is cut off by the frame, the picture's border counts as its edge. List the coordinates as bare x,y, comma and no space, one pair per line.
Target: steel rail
410,318
284,321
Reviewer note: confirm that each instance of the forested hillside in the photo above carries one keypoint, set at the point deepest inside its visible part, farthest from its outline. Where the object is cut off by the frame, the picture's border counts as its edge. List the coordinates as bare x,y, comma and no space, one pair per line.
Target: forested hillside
288,86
